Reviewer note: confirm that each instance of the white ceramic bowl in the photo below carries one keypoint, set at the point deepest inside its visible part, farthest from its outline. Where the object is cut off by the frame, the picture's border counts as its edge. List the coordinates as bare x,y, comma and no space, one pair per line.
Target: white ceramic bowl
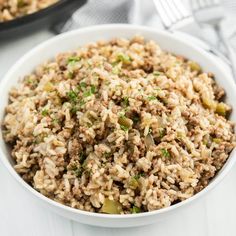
72,40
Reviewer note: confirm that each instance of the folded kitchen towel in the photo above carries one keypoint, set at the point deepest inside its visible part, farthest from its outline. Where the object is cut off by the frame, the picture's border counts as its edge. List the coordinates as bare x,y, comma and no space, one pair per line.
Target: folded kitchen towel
136,12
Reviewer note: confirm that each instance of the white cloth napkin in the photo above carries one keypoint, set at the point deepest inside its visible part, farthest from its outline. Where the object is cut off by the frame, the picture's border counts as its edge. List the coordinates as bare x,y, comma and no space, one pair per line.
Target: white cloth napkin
142,12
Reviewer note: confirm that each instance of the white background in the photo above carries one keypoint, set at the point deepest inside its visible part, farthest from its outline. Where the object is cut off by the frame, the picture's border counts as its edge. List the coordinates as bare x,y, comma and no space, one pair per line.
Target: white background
215,215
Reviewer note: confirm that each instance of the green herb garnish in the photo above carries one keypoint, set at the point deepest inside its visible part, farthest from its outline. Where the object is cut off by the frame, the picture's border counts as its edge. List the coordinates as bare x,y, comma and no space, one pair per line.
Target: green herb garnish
107,154
165,152
136,210
162,132
82,157
123,58
136,119
125,102
55,121
90,92
44,112
72,95
83,85
78,171
73,109
73,60
136,177
21,3
125,128
71,75
116,70
82,102
156,73
151,98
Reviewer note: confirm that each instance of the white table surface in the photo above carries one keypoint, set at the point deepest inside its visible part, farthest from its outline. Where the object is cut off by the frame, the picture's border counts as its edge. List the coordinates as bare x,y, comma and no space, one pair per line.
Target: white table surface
215,215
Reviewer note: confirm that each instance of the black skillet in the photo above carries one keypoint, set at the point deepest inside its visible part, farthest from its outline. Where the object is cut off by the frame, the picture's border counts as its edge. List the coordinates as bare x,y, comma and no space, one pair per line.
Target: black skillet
45,18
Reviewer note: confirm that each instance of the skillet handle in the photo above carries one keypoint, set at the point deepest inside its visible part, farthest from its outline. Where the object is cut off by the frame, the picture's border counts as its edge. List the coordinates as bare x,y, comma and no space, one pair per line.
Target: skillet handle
62,26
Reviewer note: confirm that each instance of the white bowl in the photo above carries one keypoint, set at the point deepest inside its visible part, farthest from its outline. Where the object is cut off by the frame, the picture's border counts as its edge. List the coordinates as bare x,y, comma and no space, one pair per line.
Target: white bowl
72,40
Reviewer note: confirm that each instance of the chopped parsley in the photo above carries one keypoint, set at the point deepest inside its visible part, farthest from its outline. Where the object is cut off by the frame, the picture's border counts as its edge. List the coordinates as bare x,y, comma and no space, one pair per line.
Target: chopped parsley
116,70
151,98
82,157
83,85
72,95
73,109
156,73
82,102
158,89
165,152
90,92
136,118
107,154
78,171
125,102
45,112
136,210
162,132
123,127
136,177
123,58
73,60
21,3
70,75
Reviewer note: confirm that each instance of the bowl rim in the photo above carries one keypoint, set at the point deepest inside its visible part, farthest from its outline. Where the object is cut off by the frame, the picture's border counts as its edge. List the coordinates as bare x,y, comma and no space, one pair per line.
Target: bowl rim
61,206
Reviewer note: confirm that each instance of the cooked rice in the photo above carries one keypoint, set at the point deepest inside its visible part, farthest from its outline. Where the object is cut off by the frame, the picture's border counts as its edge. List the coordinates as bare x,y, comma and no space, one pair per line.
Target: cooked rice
118,127
10,9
